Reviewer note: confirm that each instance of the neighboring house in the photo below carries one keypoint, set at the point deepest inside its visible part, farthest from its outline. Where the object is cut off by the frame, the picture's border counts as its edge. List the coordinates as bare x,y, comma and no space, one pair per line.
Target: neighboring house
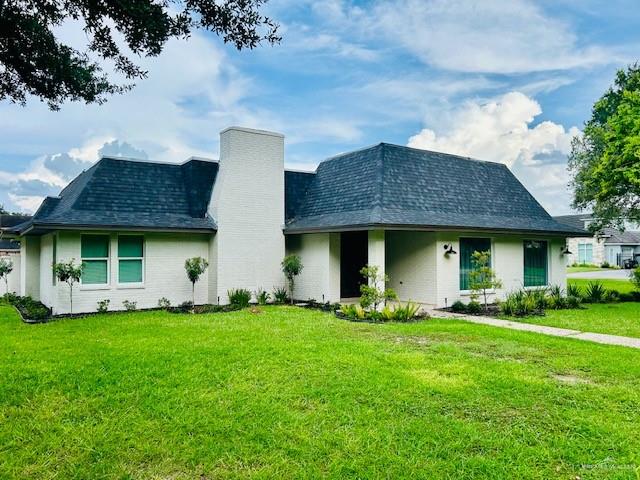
418,215
10,248
610,245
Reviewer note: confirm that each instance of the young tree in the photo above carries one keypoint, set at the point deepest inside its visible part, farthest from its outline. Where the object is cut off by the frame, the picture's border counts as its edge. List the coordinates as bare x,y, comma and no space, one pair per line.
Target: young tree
70,273
195,267
291,267
6,267
34,60
605,160
482,278
634,276
374,291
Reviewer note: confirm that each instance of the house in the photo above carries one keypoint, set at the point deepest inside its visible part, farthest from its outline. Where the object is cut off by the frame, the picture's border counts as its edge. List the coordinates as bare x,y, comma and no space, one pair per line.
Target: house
610,246
10,248
418,215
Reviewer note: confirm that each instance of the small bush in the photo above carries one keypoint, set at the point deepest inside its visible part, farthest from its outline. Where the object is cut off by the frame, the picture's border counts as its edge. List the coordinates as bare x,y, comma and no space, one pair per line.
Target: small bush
103,305
595,292
458,307
185,307
474,307
573,302
164,303
521,303
29,308
387,314
611,296
408,311
129,306
634,276
239,297
280,295
556,299
262,296
574,291
605,265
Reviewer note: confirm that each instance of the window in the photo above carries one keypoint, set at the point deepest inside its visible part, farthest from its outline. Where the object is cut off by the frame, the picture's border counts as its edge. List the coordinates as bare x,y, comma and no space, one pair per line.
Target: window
467,247
95,259
130,259
535,263
585,253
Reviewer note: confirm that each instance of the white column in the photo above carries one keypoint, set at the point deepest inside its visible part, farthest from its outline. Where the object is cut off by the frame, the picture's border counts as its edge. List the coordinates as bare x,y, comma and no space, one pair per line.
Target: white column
376,252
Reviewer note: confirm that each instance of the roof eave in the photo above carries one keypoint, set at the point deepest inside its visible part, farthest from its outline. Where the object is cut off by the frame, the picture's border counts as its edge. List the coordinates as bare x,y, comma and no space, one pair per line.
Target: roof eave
42,228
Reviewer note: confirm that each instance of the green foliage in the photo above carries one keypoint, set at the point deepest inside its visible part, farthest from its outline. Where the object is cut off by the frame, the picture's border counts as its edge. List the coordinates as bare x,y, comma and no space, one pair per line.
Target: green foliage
262,296
36,60
574,290
164,303
103,306
573,302
556,299
69,273
291,267
195,267
373,291
635,277
595,292
406,312
280,295
129,305
6,267
474,307
458,307
604,160
30,309
482,278
239,297
605,265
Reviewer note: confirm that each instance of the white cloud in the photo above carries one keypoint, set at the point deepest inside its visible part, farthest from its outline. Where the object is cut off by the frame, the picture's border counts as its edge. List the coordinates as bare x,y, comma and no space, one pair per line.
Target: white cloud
490,36
501,130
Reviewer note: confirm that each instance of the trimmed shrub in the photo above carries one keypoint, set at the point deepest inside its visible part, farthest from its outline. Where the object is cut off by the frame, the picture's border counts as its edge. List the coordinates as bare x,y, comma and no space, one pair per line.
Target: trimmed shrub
595,292
129,306
239,297
280,295
29,308
458,307
474,307
262,296
574,291
103,305
164,303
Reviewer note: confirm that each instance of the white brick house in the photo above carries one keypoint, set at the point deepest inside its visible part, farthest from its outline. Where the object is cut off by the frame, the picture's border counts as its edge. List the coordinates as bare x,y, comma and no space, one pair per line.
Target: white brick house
418,215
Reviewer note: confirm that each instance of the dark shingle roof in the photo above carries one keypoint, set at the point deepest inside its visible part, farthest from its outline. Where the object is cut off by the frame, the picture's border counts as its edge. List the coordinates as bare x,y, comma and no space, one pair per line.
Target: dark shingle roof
9,244
611,235
8,220
133,194
391,185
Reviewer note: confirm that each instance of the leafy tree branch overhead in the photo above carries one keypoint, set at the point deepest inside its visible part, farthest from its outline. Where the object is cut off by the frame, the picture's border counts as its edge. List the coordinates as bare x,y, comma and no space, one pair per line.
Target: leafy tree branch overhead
34,61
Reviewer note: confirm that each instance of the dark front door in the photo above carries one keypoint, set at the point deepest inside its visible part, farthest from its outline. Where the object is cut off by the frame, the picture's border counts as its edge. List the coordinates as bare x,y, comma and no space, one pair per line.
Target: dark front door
353,256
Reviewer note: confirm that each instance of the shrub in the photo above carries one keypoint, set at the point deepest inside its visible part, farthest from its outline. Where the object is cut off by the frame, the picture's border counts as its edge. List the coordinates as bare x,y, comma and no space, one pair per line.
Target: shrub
406,312
574,291
634,276
6,267
262,296
129,306
103,305
611,296
353,311
291,267
605,265
29,308
280,295
556,299
474,307
10,298
522,302
573,302
458,307
186,307
164,303
239,297
373,291
482,278
595,292
70,273
387,314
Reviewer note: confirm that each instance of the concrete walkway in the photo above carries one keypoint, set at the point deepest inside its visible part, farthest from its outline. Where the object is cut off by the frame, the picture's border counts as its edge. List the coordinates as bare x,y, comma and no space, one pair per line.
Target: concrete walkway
553,331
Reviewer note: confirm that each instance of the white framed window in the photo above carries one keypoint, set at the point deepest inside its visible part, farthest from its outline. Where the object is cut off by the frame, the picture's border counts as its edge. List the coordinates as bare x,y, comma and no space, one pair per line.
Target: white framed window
585,253
469,245
131,260
94,250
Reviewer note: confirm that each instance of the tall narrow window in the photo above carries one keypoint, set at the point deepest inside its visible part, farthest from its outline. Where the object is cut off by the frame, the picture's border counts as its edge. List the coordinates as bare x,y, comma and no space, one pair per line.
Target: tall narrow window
95,259
535,263
585,253
467,247
130,259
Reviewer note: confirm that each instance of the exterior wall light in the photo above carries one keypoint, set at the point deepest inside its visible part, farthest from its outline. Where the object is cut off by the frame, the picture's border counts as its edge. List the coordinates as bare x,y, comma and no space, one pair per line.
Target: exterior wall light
448,249
565,251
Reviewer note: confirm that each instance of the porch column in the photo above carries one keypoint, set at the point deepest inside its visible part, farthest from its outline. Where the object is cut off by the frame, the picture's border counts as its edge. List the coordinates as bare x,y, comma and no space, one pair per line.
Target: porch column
376,250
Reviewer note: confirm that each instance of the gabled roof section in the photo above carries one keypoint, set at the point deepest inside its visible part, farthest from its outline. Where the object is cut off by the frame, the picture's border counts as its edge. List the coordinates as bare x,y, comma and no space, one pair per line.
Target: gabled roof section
393,186
119,193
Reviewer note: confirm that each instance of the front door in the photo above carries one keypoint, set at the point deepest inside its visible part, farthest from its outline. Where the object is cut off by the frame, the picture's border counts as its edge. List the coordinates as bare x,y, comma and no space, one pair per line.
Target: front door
353,257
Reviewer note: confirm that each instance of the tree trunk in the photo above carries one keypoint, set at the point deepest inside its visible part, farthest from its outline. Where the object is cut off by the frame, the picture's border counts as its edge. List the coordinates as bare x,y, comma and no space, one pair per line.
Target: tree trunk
193,297
291,289
71,298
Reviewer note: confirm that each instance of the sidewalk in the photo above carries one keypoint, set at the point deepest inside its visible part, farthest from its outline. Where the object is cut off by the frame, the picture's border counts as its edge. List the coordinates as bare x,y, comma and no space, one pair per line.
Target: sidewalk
553,331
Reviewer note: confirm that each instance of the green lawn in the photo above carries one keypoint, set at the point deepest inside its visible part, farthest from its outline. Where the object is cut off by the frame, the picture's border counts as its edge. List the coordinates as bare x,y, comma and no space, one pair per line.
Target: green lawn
622,286
586,269
613,318
292,393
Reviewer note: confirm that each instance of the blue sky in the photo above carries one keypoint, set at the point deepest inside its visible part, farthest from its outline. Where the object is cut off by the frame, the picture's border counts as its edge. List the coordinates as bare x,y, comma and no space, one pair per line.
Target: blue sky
510,81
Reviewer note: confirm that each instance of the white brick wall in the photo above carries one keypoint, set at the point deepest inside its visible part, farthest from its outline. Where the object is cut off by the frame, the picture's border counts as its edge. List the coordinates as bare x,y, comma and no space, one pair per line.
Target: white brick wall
14,277
248,205
598,249
411,265
30,267
165,254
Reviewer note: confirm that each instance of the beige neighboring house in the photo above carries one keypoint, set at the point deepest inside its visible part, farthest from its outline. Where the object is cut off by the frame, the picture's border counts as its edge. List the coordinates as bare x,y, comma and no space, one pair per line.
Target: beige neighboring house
610,246
417,215
10,249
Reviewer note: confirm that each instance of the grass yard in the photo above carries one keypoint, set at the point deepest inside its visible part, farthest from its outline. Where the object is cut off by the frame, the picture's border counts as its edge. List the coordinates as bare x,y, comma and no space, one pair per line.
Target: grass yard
298,393
612,318
622,286
586,269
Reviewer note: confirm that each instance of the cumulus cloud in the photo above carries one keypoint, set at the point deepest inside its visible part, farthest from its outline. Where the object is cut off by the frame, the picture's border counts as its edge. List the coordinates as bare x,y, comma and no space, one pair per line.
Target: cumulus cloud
502,130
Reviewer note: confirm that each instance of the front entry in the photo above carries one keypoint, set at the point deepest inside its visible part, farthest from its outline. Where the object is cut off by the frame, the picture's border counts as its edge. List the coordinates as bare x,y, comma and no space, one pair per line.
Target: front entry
353,257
